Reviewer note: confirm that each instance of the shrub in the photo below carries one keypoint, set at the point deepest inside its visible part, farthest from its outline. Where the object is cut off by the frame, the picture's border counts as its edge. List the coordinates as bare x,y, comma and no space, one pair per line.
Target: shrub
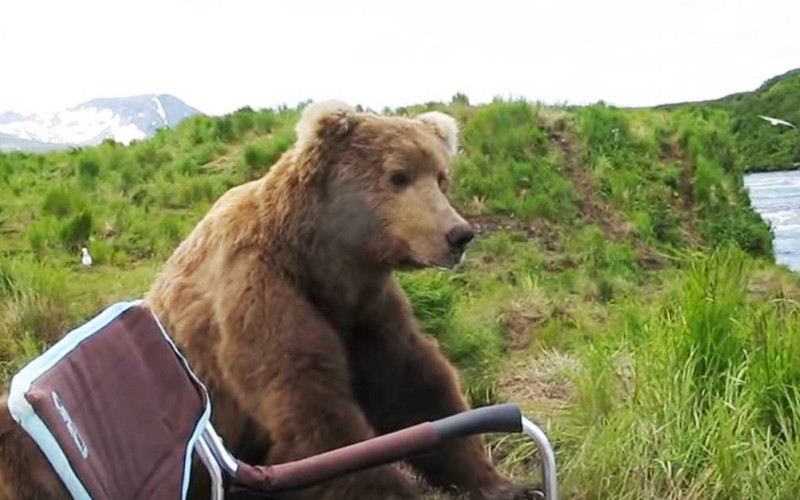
603,128
37,239
60,201
88,169
76,231
258,156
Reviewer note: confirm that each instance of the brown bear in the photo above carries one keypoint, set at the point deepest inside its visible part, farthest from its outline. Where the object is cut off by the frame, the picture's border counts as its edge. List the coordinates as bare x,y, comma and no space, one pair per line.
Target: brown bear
284,302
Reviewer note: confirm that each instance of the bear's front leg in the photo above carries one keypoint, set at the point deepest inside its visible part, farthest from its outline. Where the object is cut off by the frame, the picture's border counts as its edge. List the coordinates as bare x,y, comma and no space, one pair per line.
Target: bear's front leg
402,379
288,370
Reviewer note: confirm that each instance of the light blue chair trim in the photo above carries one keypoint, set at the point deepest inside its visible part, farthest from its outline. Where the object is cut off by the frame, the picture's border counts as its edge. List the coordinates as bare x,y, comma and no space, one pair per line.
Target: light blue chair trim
22,412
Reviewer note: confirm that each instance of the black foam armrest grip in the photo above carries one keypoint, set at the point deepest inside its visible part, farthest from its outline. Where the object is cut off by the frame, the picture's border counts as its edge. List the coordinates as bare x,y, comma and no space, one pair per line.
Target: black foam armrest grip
497,418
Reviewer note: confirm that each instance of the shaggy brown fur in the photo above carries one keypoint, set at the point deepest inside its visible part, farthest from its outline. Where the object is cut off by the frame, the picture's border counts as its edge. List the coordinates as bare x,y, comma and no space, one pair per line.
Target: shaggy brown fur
24,472
283,300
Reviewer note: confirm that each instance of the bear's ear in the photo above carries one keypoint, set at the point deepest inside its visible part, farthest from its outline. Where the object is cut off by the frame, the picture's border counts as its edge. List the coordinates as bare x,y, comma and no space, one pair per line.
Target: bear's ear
324,120
445,126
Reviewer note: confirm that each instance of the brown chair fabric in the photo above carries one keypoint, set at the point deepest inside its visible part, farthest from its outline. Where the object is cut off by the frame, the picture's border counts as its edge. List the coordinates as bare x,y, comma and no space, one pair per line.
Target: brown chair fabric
124,410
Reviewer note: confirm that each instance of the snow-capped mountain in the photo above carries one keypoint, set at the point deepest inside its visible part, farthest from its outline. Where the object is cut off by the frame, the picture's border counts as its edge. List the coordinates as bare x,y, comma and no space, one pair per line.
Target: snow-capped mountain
123,119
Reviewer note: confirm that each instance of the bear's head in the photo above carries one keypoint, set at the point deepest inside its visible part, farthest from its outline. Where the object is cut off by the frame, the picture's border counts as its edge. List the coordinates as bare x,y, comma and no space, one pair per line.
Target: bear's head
381,185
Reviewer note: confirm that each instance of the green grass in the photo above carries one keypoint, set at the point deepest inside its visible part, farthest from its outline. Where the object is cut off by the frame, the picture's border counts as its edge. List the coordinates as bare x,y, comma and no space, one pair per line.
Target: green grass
625,292
507,158
697,401
764,146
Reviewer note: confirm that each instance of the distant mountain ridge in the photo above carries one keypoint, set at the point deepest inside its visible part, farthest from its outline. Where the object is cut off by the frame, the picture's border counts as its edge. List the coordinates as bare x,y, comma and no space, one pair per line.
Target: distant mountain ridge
122,119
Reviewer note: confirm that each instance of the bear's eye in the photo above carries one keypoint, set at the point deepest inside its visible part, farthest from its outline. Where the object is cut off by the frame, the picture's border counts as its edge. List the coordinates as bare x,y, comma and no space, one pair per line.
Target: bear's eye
400,179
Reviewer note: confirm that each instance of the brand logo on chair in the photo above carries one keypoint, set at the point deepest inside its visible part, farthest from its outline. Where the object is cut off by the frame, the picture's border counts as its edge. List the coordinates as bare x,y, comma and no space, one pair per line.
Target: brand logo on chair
73,431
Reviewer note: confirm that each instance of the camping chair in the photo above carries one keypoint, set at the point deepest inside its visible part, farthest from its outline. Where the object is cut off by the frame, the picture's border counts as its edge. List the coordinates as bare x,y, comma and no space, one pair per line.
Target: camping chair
118,413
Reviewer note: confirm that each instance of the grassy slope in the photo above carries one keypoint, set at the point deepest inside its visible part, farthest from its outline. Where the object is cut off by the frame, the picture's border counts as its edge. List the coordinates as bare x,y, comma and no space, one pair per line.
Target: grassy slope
606,292
765,147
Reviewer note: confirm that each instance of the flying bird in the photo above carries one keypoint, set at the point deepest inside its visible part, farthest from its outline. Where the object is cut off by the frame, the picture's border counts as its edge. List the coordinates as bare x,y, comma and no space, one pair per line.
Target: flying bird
776,121
86,259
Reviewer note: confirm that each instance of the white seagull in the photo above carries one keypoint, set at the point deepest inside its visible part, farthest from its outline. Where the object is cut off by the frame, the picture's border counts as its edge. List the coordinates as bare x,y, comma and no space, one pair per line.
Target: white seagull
86,259
776,121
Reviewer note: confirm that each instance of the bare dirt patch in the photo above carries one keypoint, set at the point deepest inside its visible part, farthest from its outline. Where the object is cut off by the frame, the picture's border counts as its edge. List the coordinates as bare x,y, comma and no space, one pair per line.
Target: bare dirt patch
520,319
590,205
533,228
540,382
684,203
768,284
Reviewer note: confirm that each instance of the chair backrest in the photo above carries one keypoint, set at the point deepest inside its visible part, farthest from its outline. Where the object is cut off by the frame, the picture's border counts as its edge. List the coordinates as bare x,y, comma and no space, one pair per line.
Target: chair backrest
114,407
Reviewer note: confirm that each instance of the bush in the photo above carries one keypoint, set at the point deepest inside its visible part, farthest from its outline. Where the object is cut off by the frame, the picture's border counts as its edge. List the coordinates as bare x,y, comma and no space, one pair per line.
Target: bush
509,168
76,231
101,251
88,169
604,129
60,201
507,129
707,180
37,239
258,156
743,228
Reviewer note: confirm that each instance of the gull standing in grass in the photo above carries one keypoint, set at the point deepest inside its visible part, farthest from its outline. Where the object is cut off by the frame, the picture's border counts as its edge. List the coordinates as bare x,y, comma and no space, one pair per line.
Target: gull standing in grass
86,259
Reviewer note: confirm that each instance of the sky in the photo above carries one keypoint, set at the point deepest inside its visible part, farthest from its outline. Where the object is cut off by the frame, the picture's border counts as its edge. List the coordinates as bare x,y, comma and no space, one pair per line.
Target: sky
219,56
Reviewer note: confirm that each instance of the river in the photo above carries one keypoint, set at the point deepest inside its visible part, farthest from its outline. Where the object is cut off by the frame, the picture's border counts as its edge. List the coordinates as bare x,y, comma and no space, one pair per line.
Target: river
776,196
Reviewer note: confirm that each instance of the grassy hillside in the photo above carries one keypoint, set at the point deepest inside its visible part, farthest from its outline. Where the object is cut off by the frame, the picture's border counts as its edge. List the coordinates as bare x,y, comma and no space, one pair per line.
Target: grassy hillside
764,146
622,289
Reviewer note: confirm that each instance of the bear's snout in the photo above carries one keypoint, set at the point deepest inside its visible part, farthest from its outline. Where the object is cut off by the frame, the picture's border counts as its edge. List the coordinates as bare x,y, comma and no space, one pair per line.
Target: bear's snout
459,237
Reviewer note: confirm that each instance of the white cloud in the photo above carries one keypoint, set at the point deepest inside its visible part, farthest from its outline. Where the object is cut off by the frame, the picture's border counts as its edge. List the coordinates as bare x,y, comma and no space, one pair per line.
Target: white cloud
222,55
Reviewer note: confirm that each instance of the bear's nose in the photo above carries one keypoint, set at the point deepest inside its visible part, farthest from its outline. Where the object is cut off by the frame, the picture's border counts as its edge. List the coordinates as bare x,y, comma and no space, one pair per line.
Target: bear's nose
460,236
